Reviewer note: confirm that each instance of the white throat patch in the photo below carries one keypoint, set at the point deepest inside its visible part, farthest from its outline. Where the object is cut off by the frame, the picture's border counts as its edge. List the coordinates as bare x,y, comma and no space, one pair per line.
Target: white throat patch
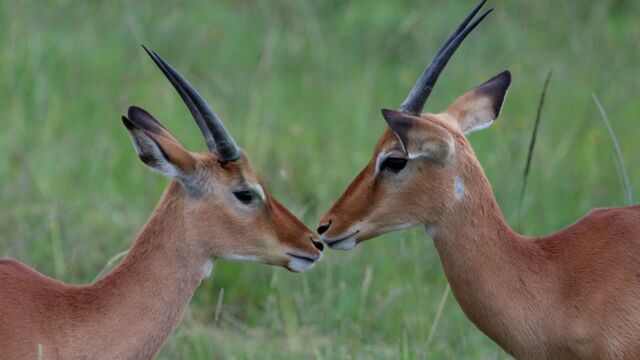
459,186
207,268
430,230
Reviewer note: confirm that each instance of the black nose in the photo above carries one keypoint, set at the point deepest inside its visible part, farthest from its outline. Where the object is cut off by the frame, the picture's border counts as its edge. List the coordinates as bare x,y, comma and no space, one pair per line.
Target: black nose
318,245
324,227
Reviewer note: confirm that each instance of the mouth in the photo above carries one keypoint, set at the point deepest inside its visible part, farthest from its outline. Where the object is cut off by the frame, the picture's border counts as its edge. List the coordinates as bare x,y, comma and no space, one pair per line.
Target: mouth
344,243
302,262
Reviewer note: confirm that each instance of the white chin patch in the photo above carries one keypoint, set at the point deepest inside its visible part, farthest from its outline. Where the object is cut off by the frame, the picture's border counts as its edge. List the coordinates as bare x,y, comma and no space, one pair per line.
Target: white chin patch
300,265
346,244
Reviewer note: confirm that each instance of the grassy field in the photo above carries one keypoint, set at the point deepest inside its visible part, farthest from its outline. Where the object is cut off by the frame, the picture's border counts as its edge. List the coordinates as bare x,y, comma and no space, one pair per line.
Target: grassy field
300,85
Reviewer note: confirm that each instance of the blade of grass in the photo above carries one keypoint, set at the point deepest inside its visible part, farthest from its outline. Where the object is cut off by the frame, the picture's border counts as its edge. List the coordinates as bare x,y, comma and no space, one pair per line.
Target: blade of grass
532,144
57,251
109,265
622,171
436,321
218,307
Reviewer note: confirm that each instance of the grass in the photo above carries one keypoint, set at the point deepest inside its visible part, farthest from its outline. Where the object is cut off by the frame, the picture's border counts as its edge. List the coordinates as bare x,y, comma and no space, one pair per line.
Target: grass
300,85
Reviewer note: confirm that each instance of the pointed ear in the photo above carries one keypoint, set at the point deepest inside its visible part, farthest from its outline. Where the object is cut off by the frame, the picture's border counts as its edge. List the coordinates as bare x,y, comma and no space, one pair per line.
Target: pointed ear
156,147
480,107
419,137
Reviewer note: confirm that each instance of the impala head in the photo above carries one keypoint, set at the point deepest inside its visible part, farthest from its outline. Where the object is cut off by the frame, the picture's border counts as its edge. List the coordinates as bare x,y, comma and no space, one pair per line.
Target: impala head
422,164
228,210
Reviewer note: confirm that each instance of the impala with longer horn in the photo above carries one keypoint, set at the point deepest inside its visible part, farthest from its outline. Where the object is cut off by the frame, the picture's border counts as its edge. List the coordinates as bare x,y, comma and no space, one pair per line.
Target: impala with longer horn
215,207
573,294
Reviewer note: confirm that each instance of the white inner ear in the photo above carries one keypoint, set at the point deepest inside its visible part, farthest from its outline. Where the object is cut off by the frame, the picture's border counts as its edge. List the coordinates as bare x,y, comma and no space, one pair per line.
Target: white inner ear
478,126
145,147
482,112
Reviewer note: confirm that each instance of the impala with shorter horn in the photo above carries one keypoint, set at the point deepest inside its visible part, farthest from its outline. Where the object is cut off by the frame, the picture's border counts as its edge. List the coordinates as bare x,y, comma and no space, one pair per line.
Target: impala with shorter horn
215,207
574,294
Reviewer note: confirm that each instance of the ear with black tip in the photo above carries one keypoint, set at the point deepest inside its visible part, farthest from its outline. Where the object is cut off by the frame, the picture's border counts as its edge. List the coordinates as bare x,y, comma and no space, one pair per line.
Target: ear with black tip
156,147
480,107
419,137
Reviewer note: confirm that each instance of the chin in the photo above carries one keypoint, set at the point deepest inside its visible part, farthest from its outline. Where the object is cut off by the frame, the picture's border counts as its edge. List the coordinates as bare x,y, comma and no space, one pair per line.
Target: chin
298,265
347,242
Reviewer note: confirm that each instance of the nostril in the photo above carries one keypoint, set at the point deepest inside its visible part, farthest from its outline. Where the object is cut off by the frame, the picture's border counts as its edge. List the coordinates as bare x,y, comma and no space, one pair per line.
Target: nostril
324,227
318,245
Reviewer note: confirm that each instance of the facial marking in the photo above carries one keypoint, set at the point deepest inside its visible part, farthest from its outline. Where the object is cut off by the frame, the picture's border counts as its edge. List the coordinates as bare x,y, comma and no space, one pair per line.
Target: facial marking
459,187
260,192
415,155
381,156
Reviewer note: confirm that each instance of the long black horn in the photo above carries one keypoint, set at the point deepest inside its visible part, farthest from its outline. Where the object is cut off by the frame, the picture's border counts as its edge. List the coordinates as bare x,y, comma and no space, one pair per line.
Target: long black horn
217,137
416,99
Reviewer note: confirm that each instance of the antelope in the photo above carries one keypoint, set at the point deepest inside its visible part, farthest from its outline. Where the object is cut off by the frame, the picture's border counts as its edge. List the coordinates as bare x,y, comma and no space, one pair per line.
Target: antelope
571,294
215,207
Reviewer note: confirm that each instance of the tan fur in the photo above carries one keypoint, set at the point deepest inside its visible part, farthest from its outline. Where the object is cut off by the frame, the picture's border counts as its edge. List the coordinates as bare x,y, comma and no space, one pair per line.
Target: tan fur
131,311
574,294
179,156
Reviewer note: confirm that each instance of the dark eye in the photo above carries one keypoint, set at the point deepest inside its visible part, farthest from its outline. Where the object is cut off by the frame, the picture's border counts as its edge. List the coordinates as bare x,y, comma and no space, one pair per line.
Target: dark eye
393,164
245,196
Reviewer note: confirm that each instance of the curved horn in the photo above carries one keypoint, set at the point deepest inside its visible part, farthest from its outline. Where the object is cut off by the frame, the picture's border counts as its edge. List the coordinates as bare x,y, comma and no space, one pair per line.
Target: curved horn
217,137
416,99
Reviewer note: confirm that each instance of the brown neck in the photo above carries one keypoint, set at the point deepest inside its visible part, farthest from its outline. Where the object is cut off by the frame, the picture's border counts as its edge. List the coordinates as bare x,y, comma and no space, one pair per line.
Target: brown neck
139,303
494,273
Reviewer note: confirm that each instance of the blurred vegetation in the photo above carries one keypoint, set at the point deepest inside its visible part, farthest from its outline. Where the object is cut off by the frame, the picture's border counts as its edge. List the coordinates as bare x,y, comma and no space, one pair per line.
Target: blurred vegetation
300,84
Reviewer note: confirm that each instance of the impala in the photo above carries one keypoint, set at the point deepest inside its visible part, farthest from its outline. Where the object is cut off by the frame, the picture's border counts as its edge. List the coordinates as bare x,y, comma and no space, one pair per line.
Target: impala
215,207
571,294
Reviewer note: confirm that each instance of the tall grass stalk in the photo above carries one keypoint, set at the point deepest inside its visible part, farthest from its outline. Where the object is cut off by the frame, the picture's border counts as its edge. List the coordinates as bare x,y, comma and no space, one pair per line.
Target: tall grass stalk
109,265
532,143
622,170
436,320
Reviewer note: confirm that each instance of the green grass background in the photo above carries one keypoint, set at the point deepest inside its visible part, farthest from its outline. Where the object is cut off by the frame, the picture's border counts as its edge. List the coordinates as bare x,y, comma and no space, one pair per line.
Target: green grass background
300,85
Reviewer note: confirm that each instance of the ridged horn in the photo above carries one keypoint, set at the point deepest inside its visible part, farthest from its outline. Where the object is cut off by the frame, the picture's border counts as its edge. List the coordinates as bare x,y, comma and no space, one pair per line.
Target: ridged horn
216,135
414,103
